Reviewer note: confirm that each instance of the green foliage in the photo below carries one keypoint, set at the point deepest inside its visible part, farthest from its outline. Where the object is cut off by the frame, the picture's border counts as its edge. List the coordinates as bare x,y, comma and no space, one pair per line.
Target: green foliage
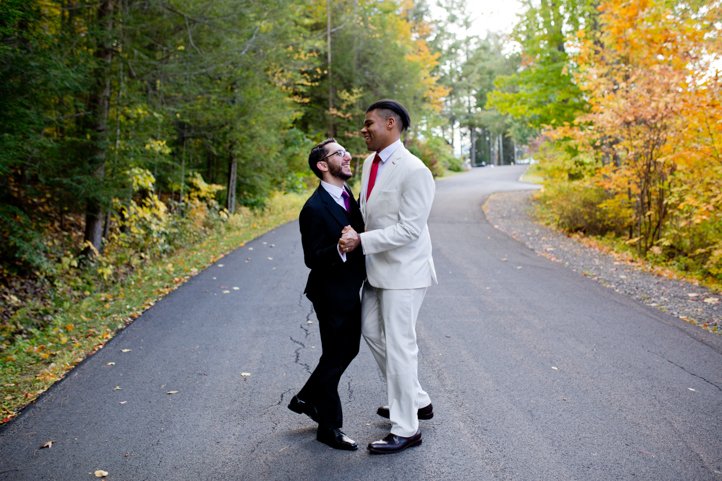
468,68
576,206
41,341
570,200
126,127
539,96
21,244
378,50
437,155
543,92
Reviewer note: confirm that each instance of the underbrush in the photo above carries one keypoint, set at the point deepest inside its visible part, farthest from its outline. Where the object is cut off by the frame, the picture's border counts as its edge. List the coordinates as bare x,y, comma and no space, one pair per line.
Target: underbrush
56,317
686,252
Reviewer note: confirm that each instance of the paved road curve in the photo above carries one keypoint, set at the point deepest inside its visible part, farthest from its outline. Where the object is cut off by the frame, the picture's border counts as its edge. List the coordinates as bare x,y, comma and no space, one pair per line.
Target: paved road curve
536,373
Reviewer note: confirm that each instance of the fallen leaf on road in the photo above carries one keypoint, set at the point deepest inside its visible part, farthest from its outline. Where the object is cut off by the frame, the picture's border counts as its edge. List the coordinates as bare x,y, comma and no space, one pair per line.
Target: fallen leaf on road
125,350
236,288
100,473
172,392
555,368
117,388
692,389
47,445
692,294
712,300
245,374
123,402
226,292
270,258
111,363
220,265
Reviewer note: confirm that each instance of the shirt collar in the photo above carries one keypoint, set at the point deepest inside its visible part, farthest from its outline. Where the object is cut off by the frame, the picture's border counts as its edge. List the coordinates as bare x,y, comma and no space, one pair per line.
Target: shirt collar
334,190
386,153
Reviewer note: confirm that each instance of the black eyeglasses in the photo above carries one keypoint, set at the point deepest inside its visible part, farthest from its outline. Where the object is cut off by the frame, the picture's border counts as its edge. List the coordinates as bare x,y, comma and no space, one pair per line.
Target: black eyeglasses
341,153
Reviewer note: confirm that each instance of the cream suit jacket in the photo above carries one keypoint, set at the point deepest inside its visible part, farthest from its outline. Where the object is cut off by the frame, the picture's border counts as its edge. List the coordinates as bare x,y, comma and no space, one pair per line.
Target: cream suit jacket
397,242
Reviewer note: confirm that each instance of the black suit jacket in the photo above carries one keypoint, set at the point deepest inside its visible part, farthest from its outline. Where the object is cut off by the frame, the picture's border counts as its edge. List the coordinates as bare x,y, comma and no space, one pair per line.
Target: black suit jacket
332,283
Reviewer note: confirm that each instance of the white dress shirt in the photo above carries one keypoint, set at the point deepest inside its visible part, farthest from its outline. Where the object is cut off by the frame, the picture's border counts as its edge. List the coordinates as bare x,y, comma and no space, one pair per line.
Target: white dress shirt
385,154
336,194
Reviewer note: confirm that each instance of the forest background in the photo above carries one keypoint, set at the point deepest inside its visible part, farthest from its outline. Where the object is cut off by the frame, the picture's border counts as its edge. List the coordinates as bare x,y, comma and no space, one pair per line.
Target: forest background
142,139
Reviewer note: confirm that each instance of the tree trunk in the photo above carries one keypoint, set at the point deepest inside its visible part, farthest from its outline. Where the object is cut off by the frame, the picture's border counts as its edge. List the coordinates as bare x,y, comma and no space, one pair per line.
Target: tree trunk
232,174
329,60
98,108
472,150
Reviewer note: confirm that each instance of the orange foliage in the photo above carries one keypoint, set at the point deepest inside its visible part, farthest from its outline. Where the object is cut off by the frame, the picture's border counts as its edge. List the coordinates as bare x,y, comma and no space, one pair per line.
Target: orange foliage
654,120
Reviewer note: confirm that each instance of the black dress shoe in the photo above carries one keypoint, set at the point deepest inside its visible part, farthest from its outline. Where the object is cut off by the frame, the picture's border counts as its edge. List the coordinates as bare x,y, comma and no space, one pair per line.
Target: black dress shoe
335,438
302,407
393,443
426,412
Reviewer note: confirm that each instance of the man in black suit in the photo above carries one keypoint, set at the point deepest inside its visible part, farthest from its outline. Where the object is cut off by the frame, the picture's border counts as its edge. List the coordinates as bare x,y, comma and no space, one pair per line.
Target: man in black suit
333,287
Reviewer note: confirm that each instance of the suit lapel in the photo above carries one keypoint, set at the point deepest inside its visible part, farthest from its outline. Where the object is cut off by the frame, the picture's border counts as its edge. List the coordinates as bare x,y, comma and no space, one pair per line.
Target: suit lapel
336,211
390,168
365,173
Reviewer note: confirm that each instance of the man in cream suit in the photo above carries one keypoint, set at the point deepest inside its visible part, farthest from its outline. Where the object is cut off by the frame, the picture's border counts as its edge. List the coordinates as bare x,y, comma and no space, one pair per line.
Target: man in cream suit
396,197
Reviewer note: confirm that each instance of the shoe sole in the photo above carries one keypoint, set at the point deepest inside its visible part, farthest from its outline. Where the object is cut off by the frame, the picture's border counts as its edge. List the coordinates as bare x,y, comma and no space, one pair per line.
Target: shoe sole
383,451
340,448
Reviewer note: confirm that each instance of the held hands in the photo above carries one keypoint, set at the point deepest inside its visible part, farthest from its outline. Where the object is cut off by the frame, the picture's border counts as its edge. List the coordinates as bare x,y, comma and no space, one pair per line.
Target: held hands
349,240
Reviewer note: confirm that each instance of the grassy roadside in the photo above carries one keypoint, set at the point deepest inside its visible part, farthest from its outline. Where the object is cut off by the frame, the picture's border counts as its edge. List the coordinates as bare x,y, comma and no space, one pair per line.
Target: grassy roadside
31,365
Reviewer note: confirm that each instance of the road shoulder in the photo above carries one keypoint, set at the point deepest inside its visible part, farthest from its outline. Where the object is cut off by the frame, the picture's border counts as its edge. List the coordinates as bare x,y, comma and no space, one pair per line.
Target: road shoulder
510,213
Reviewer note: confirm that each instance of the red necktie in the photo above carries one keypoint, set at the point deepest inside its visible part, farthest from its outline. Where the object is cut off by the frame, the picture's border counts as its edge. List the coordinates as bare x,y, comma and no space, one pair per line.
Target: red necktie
372,175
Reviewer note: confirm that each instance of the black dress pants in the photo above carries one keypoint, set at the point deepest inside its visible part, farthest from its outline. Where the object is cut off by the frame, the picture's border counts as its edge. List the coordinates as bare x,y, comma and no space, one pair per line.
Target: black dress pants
340,339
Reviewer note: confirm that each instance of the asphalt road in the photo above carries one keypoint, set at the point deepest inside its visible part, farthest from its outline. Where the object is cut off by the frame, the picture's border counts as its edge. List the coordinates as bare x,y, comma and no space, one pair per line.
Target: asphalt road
535,372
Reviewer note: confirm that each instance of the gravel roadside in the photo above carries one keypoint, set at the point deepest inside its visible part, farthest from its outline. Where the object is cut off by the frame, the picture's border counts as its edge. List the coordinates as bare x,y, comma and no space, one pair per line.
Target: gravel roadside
510,213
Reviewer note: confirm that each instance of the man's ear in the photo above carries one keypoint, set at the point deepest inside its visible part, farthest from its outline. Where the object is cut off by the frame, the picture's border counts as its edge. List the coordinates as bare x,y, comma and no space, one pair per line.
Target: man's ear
322,166
390,123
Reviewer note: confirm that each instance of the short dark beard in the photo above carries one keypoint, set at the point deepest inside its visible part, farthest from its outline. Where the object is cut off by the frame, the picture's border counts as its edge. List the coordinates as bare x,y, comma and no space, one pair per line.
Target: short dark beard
337,171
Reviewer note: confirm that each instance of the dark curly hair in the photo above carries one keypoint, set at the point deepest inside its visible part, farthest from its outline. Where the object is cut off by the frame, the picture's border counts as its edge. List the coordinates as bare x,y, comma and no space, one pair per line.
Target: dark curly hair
317,154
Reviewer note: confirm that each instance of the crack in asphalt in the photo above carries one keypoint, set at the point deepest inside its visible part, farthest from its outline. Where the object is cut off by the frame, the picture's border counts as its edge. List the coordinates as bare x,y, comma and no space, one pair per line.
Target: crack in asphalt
280,401
350,391
692,374
297,353
308,322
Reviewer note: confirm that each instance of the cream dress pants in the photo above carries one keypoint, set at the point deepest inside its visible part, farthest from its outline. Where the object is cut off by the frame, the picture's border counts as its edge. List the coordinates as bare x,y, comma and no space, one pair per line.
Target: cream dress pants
388,323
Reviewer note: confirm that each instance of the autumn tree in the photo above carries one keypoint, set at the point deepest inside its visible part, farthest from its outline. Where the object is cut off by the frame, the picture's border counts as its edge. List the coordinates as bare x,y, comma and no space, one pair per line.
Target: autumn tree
377,49
651,138
542,92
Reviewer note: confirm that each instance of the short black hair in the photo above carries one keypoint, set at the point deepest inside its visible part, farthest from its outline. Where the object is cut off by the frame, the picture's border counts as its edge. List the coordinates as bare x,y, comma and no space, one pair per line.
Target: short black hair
318,152
396,108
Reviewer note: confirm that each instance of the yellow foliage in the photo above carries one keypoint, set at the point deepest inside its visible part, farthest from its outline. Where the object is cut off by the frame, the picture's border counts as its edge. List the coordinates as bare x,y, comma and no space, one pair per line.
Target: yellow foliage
654,116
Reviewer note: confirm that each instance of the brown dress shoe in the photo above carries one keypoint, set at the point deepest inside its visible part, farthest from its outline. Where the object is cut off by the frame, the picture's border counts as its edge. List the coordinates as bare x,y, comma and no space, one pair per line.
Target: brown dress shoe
426,412
393,443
